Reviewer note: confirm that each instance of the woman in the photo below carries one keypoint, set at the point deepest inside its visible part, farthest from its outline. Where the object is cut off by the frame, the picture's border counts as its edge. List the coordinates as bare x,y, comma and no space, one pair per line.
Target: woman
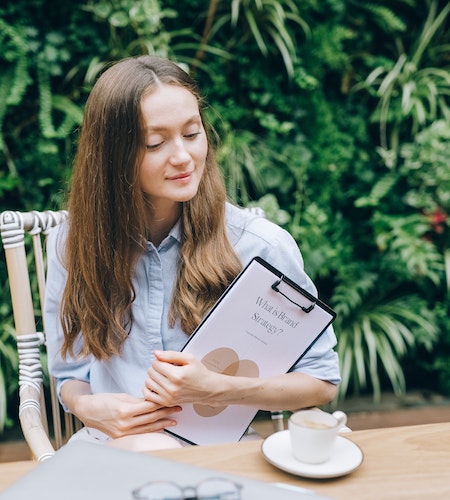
150,245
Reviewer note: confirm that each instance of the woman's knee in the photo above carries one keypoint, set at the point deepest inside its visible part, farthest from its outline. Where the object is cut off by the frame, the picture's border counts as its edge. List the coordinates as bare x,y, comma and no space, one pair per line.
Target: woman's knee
145,442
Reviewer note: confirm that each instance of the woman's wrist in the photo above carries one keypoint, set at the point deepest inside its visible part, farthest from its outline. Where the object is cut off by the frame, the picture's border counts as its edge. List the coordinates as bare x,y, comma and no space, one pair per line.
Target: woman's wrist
235,390
73,394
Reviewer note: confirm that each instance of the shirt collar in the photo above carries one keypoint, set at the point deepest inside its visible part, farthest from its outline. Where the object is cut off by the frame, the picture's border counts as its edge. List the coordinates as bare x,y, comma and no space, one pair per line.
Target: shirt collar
175,232
173,236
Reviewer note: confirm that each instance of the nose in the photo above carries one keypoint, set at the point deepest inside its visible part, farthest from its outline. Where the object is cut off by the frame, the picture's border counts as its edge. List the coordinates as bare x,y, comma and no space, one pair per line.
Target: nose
179,154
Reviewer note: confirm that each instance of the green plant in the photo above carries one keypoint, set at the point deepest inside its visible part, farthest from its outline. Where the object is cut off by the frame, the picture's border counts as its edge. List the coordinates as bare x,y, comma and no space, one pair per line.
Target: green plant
403,240
8,364
268,19
426,166
237,157
269,204
414,87
439,365
135,26
14,80
411,231
376,330
265,22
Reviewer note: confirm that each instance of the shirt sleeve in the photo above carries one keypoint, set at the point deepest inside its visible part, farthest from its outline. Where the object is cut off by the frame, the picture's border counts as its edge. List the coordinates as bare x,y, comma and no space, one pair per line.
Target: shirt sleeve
69,368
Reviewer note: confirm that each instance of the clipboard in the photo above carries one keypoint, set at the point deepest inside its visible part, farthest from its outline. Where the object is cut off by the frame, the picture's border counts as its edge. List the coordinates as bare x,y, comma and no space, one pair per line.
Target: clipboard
261,326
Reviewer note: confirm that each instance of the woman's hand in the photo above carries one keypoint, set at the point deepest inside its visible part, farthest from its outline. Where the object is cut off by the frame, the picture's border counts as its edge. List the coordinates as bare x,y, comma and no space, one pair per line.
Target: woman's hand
175,378
116,415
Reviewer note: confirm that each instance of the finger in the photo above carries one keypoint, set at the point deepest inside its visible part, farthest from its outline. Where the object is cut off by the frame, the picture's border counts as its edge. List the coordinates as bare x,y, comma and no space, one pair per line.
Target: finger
154,397
165,413
174,357
144,407
158,420
157,426
160,370
156,381
149,394
148,422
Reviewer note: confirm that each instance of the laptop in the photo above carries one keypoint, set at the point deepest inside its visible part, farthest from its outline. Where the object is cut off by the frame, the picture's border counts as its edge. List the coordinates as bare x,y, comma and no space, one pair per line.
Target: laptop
82,470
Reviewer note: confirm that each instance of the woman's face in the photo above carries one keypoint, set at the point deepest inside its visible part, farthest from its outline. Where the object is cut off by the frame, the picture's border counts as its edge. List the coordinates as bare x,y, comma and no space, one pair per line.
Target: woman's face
176,147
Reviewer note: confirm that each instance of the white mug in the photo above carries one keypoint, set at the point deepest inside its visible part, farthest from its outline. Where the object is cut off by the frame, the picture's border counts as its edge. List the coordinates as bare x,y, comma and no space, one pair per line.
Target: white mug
313,434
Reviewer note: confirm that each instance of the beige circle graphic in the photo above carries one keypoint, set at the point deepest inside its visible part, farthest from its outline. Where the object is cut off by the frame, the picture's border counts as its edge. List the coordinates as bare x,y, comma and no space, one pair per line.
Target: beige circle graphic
219,359
243,368
225,360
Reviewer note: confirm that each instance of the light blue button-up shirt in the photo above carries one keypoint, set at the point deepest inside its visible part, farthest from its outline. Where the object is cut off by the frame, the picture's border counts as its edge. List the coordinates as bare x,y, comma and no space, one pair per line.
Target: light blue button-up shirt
251,236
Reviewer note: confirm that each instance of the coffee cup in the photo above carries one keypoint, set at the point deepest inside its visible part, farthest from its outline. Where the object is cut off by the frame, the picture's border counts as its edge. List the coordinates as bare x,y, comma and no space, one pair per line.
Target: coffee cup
313,434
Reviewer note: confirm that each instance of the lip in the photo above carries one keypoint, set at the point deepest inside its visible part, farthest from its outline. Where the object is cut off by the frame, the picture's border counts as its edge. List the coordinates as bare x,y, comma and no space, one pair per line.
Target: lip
181,177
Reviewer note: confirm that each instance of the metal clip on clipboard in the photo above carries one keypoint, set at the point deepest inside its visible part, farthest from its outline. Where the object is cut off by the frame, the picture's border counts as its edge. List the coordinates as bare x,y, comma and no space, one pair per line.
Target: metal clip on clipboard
303,308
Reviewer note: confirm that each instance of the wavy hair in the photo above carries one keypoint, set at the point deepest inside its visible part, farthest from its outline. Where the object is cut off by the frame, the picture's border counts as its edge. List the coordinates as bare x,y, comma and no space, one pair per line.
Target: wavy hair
107,217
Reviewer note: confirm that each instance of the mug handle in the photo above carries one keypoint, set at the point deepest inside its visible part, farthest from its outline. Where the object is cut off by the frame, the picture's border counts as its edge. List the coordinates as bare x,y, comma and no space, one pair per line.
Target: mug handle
341,417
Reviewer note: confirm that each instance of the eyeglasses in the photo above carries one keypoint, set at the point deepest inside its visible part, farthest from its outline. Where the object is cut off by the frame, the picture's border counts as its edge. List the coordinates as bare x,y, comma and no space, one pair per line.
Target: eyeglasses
210,489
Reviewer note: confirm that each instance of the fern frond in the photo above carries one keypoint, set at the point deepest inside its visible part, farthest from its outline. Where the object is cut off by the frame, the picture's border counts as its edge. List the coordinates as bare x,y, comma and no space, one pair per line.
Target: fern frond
351,292
380,189
72,113
385,18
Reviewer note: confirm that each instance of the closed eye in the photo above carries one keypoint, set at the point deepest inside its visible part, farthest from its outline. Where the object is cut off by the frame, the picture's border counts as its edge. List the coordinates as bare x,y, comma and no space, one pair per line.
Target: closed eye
152,147
192,136
155,146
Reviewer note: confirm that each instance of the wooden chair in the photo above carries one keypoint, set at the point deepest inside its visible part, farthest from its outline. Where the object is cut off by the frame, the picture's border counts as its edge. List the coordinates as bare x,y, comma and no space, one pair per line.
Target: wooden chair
22,235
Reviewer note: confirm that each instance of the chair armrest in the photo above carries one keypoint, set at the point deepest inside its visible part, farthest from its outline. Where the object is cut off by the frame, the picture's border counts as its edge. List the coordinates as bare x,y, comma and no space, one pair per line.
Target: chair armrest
31,423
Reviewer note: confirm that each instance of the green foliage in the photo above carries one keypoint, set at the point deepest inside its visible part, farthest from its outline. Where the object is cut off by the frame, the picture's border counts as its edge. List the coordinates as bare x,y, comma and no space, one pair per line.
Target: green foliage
13,83
426,167
269,204
375,337
268,20
269,24
384,17
403,239
238,159
440,362
8,363
135,26
412,89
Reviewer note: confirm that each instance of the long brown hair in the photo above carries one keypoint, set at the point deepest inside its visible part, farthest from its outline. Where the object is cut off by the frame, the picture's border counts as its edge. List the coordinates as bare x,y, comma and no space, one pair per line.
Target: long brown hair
107,217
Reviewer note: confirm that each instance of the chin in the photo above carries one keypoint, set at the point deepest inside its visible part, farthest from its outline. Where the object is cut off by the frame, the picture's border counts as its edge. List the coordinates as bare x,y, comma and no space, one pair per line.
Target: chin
182,198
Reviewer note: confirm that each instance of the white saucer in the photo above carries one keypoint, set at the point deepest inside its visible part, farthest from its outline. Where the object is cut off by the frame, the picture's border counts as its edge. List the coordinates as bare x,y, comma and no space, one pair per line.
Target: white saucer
346,457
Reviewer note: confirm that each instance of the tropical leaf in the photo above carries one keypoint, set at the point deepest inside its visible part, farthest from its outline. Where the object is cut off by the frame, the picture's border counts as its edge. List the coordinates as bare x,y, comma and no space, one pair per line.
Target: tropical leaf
410,89
269,24
373,340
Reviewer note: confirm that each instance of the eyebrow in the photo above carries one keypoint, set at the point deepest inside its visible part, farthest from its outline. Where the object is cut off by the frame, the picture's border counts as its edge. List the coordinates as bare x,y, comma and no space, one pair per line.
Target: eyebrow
193,119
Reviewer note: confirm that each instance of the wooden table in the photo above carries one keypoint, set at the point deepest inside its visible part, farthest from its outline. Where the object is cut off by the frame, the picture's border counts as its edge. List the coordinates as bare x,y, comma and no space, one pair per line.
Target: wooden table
399,462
